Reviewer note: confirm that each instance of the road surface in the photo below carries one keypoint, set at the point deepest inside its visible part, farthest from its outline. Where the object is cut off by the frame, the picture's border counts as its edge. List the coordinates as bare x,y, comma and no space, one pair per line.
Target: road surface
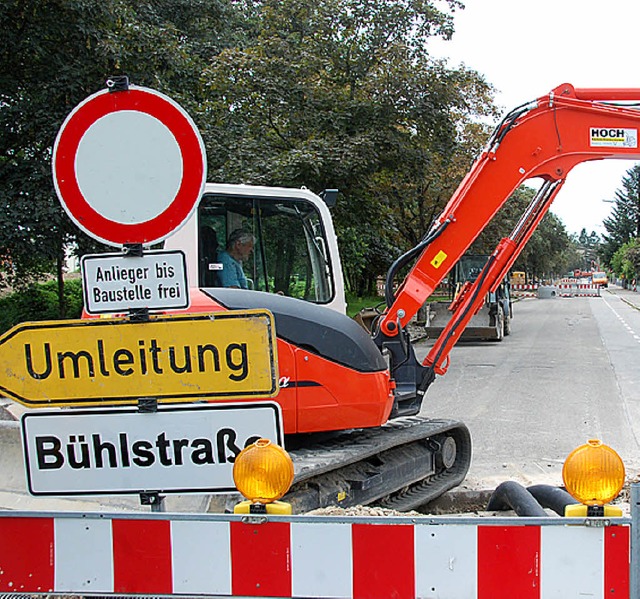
569,372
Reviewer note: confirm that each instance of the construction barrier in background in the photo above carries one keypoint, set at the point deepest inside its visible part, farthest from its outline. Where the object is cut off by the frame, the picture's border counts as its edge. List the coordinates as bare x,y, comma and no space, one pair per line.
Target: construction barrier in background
578,290
315,556
561,290
522,290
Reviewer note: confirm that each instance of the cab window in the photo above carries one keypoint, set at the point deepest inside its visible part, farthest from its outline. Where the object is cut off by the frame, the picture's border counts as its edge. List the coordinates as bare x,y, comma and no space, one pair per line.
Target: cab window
289,254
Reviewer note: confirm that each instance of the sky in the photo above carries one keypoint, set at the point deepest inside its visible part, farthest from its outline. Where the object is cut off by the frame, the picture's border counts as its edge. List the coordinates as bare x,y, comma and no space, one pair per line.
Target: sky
525,49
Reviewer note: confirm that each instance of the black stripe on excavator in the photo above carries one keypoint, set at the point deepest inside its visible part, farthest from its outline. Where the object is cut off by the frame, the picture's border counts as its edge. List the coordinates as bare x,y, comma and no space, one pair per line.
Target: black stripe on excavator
291,384
315,328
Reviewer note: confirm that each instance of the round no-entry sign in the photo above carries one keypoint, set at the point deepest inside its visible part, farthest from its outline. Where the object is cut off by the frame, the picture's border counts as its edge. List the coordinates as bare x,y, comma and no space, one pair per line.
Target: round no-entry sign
129,166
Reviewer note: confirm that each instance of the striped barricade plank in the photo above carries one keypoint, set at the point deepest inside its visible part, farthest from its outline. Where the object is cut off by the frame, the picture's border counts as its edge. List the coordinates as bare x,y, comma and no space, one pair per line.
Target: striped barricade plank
285,558
564,289
578,290
524,290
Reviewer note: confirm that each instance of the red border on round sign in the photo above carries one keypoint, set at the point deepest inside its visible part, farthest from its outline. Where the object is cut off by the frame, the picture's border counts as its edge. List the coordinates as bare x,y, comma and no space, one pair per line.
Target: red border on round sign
172,116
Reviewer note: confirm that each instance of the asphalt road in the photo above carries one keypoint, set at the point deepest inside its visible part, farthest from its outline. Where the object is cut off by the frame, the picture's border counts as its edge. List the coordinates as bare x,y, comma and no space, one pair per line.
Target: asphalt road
567,373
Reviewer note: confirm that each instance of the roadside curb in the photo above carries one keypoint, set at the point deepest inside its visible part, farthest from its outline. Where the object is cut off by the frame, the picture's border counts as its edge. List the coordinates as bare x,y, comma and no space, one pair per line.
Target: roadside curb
6,414
629,303
634,305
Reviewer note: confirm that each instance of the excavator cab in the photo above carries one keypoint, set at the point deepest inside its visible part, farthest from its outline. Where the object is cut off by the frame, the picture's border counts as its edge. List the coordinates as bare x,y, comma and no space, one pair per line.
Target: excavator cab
289,255
295,251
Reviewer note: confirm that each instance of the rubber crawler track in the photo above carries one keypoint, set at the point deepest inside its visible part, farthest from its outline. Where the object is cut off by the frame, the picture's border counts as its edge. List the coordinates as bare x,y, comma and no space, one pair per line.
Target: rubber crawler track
396,465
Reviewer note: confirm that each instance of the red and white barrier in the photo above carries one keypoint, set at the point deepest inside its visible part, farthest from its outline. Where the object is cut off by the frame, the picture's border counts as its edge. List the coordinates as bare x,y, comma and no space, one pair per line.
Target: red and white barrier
172,554
578,290
522,290
564,290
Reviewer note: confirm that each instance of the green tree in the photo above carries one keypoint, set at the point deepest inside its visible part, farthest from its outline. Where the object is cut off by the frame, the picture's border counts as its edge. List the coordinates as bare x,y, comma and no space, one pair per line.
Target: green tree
626,260
588,246
547,252
55,53
337,94
624,222
343,94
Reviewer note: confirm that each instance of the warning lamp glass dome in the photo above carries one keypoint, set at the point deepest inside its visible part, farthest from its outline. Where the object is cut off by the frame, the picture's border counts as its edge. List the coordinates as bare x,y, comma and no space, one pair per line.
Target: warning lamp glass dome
593,473
263,471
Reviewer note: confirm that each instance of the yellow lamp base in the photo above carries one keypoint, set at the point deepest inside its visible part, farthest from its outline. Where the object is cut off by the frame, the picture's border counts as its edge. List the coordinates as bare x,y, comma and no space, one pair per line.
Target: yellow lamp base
579,510
280,508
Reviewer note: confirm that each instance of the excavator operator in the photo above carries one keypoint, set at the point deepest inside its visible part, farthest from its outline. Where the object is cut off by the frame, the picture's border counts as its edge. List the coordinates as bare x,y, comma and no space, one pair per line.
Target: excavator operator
239,247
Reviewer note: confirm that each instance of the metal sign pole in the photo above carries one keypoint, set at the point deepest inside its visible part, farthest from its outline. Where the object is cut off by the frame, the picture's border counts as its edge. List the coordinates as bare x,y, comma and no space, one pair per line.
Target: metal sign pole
149,405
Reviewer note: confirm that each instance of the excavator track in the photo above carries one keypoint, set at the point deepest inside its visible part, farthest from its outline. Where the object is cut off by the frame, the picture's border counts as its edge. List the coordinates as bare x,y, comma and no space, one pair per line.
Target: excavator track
403,464
387,465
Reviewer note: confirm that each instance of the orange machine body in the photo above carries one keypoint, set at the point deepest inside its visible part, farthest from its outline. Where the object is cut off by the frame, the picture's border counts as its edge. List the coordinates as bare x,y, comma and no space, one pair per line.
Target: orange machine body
317,393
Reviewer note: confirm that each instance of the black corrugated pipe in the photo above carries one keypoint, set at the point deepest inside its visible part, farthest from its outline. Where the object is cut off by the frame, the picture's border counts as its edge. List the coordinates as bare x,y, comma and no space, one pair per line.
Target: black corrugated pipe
554,498
512,495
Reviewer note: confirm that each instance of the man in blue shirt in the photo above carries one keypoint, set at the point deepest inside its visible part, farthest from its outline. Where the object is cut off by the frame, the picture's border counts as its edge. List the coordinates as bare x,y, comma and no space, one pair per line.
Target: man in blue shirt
239,246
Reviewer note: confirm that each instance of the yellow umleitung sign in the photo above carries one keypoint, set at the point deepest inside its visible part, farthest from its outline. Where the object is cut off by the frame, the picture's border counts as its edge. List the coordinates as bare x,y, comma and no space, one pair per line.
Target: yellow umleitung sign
223,355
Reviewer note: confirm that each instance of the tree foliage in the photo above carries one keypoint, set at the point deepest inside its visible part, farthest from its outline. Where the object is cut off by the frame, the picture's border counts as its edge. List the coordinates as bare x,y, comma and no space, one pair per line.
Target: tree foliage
55,53
626,260
343,94
588,246
624,223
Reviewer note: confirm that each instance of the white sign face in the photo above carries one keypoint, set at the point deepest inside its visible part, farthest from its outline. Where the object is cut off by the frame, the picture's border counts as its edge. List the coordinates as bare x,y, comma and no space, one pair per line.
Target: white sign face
124,451
129,143
114,283
129,166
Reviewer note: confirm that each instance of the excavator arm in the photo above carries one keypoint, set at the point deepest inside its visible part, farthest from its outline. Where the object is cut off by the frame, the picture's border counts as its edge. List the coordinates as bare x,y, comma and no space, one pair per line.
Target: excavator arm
544,139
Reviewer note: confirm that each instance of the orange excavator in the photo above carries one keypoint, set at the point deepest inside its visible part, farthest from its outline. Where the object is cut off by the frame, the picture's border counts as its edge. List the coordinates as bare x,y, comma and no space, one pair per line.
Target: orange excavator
352,402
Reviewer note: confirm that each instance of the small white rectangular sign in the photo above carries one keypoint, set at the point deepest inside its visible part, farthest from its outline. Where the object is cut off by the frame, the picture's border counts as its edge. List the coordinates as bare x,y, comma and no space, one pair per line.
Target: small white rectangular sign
613,137
179,449
115,283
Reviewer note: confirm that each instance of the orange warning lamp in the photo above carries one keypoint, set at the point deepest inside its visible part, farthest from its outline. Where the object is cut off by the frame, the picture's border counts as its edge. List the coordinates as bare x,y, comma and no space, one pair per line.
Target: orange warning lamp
263,473
594,475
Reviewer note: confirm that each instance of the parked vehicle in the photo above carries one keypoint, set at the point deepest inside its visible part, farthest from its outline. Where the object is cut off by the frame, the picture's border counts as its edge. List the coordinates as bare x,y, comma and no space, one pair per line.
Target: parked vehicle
600,278
492,321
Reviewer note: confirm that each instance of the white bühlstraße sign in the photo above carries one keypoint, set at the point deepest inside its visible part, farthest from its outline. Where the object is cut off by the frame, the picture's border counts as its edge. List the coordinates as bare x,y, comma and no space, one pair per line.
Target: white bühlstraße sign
125,451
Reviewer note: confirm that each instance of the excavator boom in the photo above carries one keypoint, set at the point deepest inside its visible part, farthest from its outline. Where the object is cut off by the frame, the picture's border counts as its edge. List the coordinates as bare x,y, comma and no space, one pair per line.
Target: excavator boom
544,139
